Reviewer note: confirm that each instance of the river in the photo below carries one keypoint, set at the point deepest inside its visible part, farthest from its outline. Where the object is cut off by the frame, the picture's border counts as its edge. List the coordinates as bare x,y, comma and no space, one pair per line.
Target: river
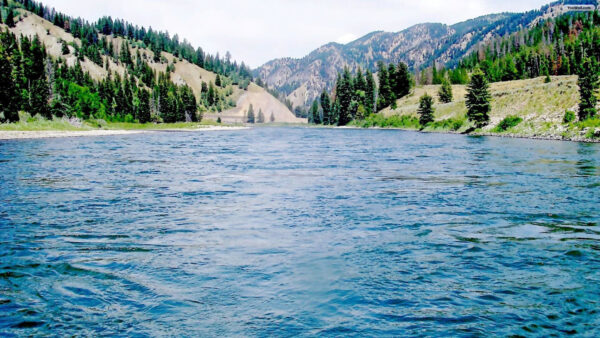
299,231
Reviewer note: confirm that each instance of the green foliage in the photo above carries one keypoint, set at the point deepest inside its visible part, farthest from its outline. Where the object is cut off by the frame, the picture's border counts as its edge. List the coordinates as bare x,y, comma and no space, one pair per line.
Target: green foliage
158,42
552,47
354,99
315,115
10,18
394,83
65,48
426,110
569,117
453,124
445,93
83,103
9,91
327,109
507,123
478,100
394,121
588,85
31,81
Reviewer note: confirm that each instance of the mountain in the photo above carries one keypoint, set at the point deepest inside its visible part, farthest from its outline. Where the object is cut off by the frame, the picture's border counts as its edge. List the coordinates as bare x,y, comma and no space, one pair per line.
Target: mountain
54,38
302,80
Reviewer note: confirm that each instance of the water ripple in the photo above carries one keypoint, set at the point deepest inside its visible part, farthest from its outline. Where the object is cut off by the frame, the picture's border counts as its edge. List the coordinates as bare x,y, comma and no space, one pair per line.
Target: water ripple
293,231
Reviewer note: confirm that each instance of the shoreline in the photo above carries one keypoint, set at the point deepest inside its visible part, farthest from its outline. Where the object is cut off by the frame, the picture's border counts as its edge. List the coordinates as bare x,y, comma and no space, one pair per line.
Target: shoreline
6,135
48,134
489,134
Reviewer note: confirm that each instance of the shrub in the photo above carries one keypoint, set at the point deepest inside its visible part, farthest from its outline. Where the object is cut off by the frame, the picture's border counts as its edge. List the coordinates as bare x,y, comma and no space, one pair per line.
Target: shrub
507,123
569,116
454,123
394,121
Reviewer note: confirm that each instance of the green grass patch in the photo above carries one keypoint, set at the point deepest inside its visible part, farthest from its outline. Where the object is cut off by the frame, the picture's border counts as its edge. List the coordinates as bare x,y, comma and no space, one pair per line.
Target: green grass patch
507,123
41,125
592,125
149,126
589,123
36,123
394,121
452,124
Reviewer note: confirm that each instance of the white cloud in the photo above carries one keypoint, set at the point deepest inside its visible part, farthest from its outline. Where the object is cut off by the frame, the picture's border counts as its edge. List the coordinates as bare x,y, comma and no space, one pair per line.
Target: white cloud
257,31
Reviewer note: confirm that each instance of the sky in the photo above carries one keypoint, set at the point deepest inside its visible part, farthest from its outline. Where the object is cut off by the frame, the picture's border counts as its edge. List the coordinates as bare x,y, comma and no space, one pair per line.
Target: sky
261,30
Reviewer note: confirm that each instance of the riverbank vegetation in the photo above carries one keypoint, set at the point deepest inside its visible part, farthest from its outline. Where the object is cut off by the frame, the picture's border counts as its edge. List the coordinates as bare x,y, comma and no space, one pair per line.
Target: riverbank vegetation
39,123
544,83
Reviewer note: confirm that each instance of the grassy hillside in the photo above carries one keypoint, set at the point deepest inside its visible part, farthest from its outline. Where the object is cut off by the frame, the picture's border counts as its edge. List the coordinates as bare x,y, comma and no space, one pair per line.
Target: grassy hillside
184,72
540,105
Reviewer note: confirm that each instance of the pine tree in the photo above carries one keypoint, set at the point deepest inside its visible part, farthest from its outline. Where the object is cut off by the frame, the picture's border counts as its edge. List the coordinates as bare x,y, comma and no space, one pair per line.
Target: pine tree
371,94
125,54
360,84
10,18
327,109
261,117
478,100
425,110
588,85
272,119
445,93
344,98
403,81
211,95
8,90
250,114
314,116
65,48
385,91
143,114
38,98
218,81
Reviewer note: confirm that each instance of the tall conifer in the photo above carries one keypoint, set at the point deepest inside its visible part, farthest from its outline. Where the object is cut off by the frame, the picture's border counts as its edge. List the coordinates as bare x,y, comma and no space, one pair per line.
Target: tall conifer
478,100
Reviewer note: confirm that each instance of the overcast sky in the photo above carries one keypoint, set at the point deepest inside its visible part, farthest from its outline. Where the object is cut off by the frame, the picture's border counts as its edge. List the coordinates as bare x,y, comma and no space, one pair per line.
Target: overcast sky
261,30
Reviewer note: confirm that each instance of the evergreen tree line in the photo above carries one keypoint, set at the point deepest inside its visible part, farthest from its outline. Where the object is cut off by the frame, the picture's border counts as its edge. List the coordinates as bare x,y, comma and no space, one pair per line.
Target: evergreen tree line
157,41
559,46
32,81
357,97
567,45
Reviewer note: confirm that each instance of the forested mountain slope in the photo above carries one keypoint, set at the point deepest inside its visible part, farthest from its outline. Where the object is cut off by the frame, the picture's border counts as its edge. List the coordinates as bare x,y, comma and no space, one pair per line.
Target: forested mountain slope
130,61
302,80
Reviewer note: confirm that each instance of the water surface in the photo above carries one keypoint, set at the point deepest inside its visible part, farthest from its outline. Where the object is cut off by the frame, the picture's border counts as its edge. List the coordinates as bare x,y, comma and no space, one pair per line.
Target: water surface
291,231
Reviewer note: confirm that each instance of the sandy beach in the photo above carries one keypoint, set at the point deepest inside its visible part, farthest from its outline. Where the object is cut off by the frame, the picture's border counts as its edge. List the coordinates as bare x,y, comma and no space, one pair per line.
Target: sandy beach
19,135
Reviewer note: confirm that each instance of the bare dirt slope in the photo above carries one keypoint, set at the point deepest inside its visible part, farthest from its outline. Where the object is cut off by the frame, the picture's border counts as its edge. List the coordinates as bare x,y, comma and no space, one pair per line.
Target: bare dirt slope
260,101
52,36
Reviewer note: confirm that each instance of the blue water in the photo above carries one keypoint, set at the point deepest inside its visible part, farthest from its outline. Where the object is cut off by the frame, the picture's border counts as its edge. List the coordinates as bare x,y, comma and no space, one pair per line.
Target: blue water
291,231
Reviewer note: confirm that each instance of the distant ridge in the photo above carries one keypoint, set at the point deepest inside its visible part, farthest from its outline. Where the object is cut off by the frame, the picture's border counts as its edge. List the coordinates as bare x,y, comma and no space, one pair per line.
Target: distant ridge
302,80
